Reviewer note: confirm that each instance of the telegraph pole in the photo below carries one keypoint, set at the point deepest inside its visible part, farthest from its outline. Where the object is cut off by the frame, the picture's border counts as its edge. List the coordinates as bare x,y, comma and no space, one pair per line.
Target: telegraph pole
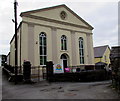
15,14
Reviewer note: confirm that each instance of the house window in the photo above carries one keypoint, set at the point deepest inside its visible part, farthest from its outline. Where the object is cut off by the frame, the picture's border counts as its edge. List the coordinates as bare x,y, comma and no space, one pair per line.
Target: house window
63,42
105,58
81,50
42,48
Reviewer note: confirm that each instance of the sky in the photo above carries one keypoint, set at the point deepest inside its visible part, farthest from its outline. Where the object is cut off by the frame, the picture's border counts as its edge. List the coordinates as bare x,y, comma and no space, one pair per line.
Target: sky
102,15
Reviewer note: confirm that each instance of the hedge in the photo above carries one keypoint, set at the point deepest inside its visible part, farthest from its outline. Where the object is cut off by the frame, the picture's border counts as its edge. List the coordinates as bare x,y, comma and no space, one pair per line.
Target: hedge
86,76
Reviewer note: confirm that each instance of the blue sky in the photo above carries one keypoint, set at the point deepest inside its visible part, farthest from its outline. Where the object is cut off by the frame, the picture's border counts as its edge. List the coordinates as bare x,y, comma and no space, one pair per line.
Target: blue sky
102,15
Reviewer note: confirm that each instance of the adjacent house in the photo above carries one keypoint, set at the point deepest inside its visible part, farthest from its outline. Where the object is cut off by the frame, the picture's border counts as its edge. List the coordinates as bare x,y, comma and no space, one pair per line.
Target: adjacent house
102,55
53,34
3,59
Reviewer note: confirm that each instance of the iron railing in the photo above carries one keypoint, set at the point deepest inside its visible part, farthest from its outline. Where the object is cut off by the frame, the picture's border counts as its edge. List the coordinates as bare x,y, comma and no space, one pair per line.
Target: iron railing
38,73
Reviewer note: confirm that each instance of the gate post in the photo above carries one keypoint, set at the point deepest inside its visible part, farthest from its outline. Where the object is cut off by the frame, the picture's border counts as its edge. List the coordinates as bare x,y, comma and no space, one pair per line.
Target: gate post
27,71
49,70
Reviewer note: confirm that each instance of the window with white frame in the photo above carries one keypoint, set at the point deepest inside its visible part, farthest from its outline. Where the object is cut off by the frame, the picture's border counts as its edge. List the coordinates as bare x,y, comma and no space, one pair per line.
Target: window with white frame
63,42
81,50
42,48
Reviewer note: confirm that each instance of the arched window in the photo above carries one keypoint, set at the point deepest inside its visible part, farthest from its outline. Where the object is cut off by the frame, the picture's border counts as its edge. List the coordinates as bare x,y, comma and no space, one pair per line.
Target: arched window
42,48
81,50
63,42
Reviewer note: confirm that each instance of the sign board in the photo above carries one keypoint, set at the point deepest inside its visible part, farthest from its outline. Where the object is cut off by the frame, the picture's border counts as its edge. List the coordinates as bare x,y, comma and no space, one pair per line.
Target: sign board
58,68
67,69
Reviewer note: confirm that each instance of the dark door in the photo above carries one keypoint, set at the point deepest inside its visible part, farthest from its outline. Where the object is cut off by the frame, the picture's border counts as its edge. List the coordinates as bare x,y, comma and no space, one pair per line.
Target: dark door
64,61
64,64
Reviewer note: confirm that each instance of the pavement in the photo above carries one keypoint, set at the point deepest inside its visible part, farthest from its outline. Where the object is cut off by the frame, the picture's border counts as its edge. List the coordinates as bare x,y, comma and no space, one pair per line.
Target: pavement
58,90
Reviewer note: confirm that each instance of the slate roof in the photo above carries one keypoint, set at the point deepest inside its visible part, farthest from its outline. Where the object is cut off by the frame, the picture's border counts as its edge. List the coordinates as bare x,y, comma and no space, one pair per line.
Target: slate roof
99,51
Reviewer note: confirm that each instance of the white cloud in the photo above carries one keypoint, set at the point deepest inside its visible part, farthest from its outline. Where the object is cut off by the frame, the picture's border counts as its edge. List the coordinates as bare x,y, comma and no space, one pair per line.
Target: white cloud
4,48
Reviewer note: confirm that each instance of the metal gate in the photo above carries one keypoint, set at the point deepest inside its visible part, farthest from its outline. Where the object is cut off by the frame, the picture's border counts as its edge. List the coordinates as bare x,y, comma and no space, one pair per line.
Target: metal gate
38,73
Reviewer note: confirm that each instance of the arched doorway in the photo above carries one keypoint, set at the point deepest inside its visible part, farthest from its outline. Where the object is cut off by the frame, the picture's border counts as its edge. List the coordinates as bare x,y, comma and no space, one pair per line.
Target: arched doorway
64,61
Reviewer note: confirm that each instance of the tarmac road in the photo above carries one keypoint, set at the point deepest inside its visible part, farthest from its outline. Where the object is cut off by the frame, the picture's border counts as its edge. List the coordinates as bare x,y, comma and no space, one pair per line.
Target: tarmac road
59,90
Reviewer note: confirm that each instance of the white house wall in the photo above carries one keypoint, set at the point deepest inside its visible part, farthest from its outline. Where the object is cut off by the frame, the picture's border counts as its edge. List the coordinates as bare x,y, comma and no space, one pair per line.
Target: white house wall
31,28
12,53
24,42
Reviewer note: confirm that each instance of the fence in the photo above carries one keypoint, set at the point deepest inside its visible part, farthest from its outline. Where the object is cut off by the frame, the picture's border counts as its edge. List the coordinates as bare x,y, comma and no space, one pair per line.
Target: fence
80,68
38,73
11,69
10,72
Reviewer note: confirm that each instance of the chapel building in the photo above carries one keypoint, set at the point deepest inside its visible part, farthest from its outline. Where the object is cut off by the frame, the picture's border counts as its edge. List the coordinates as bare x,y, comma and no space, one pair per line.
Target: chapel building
53,34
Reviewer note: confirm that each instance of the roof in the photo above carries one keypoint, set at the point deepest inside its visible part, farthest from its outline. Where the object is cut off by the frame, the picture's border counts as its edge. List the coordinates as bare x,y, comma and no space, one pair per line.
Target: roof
99,51
54,7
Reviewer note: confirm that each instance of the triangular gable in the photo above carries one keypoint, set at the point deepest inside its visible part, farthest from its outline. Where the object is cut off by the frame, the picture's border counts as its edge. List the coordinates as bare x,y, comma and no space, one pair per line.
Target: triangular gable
54,13
99,51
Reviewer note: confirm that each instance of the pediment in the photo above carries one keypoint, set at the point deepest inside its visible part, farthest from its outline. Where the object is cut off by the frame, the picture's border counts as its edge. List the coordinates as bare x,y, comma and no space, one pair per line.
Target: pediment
59,13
